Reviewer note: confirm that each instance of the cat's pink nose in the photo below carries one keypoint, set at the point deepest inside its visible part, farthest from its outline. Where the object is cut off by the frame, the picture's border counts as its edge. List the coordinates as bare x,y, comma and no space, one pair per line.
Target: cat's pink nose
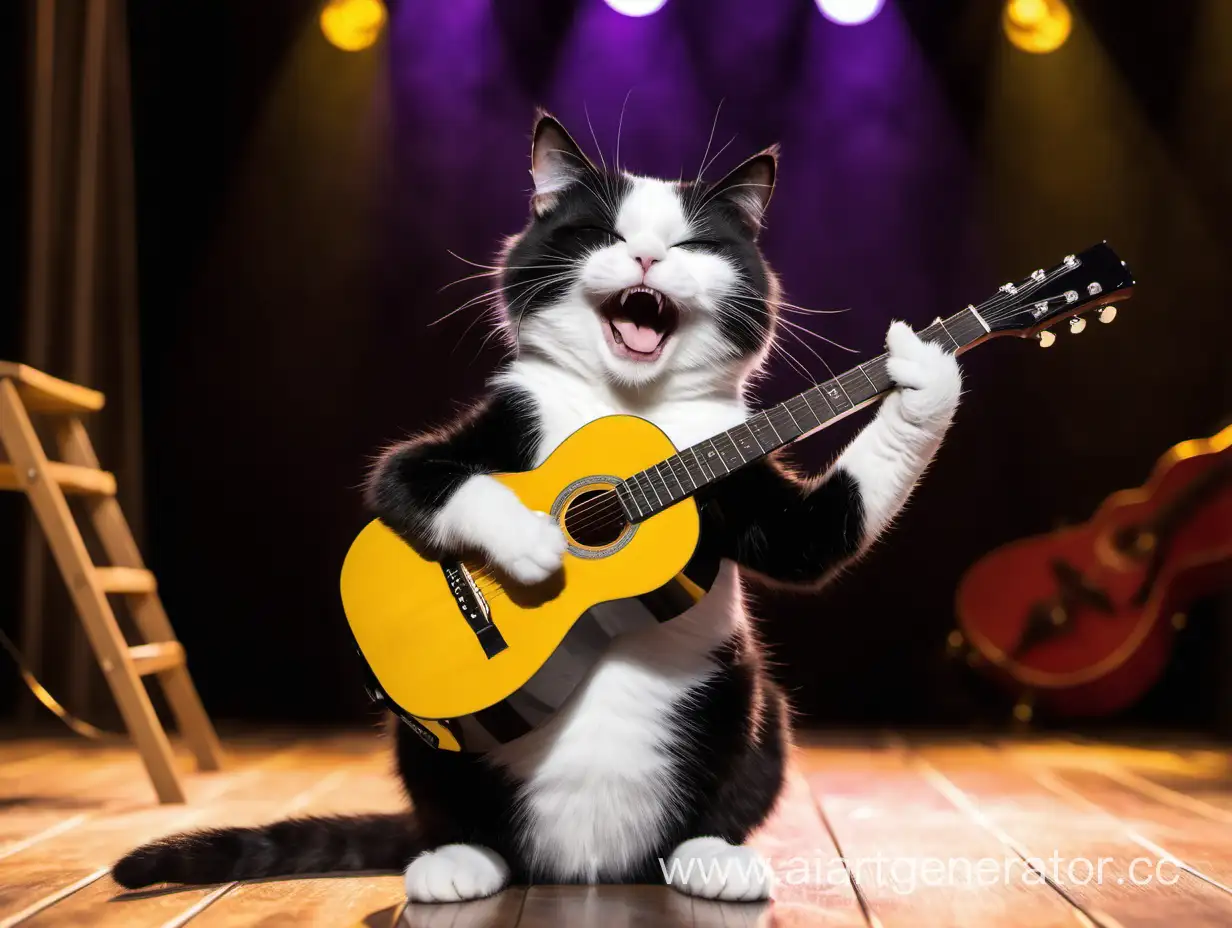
647,264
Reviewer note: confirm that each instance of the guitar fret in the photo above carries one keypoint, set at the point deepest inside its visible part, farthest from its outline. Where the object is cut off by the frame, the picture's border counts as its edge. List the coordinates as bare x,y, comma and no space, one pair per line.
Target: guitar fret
701,467
737,436
715,456
668,464
834,396
644,506
632,511
677,459
733,461
802,412
941,322
770,422
866,377
762,420
646,478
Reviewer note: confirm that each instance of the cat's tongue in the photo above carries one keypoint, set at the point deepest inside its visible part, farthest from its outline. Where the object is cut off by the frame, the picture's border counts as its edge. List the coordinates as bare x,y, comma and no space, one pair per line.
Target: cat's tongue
639,338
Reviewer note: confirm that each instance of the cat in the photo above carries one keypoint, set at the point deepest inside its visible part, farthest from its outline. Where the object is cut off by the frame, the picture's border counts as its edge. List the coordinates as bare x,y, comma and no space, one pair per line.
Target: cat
623,294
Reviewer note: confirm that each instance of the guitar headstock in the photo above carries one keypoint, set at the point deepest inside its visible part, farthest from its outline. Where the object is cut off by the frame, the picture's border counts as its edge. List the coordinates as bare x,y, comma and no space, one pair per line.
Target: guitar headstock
1093,280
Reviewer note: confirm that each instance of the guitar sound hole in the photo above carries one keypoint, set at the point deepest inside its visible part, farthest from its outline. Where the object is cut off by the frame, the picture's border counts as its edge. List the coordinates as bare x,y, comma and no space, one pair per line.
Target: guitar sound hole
594,518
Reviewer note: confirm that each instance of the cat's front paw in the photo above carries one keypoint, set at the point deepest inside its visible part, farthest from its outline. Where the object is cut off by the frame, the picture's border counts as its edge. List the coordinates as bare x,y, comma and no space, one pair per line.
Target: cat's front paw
455,873
713,869
483,513
928,375
529,547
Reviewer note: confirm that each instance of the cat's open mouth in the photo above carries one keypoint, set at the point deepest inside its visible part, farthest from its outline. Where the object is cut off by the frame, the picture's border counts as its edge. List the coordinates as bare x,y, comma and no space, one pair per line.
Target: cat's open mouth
637,323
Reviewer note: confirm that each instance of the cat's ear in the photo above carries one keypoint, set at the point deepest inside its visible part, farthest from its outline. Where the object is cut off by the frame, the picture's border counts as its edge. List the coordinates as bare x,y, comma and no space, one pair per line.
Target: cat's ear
555,162
750,186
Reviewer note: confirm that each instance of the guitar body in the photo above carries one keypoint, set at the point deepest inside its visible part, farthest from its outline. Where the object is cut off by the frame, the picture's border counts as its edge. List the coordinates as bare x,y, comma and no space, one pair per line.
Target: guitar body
1083,617
404,612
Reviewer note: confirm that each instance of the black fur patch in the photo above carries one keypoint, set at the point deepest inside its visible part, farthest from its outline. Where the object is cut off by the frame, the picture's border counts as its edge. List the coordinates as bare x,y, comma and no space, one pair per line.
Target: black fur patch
295,846
413,480
783,528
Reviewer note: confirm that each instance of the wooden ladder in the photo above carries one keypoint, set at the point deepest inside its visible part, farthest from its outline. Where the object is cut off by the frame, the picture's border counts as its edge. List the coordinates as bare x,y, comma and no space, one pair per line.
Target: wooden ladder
24,390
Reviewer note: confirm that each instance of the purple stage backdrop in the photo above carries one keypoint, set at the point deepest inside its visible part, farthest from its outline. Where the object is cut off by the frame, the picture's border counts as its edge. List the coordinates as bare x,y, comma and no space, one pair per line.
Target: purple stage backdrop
299,205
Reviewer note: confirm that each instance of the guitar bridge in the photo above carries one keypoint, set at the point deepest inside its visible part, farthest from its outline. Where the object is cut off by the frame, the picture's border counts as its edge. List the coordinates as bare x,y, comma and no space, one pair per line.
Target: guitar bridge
474,608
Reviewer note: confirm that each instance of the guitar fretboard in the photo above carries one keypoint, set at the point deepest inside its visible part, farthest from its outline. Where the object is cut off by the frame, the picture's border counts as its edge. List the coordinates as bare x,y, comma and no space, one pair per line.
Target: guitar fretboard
666,483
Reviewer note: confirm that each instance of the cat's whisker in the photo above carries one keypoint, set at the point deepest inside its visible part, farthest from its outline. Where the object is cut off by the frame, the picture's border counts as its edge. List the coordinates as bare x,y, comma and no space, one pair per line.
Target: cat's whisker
759,331
706,165
795,326
495,293
709,141
594,138
620,127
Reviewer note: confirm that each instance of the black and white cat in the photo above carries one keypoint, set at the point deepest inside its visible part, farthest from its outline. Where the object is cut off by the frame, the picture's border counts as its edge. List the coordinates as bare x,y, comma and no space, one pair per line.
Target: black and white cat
626,295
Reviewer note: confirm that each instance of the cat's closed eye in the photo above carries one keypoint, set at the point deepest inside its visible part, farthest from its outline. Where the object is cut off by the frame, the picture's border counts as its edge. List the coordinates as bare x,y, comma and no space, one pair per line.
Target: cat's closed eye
698,243
591,229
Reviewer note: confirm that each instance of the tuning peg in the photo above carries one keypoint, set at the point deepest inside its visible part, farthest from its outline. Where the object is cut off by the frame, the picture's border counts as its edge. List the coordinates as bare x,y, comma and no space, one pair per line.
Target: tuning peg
1046,339
1077,324
1107,314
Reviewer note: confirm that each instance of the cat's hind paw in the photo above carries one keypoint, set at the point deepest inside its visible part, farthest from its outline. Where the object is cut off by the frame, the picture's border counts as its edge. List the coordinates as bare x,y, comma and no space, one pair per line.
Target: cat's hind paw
713,869
455,873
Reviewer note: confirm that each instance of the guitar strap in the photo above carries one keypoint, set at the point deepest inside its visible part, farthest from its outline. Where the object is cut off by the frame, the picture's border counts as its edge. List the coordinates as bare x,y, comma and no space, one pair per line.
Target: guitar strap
545,692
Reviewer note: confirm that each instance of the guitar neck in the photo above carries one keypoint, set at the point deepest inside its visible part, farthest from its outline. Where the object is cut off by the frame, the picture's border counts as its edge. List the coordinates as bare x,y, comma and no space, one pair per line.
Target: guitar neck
652,490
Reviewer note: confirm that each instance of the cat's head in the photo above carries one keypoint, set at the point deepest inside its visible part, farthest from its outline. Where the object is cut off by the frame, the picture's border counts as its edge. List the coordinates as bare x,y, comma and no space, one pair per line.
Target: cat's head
632,279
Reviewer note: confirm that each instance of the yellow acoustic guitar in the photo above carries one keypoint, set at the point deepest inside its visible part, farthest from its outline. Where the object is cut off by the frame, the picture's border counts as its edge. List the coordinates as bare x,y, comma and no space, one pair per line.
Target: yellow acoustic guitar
471,659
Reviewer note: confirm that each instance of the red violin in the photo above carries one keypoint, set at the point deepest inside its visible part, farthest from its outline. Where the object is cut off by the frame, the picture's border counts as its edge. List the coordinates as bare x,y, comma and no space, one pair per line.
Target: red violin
1081,620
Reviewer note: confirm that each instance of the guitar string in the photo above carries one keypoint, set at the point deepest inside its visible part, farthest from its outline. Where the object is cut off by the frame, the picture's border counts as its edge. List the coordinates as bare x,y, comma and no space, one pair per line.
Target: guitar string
608,505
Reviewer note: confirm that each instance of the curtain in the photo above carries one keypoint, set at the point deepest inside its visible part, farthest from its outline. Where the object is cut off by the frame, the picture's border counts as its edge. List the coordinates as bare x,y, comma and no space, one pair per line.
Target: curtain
80,301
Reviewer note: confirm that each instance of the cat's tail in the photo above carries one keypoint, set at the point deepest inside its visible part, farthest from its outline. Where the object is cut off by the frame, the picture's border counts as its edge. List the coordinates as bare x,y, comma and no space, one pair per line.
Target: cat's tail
295,846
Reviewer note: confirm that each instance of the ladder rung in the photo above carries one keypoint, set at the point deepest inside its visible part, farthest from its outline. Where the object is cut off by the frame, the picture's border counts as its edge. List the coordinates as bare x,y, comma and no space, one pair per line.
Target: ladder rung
157,657
125,579
70,477
43,393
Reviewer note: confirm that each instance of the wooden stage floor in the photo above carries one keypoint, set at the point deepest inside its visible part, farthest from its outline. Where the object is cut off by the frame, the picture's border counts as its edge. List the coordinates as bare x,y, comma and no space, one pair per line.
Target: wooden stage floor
878,832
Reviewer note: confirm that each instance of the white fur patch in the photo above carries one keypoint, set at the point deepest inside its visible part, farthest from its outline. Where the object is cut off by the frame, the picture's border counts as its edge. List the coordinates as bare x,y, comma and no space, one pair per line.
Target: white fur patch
890,454
485,514
652,221
596,792
713,869
455,873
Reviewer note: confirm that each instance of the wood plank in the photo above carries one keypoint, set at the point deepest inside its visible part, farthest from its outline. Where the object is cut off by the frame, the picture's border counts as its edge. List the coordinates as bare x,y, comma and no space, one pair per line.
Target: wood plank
606,907
156,657
37,807
800,850
73,480
1065,835
125,580
917,859
44,393
29,879
325,900
1192,841
499,911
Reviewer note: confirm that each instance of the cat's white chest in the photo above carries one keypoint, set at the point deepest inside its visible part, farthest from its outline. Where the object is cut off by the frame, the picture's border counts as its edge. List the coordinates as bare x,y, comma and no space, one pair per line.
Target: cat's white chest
596,780
565,404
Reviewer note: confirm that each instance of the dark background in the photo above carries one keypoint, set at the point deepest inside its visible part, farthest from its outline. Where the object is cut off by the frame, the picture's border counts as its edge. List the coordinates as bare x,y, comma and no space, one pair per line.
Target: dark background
297,206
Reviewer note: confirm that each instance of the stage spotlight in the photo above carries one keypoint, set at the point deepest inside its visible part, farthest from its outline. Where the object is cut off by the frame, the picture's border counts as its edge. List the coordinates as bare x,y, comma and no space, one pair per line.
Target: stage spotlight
849,12
1037,26
352,25
636,7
